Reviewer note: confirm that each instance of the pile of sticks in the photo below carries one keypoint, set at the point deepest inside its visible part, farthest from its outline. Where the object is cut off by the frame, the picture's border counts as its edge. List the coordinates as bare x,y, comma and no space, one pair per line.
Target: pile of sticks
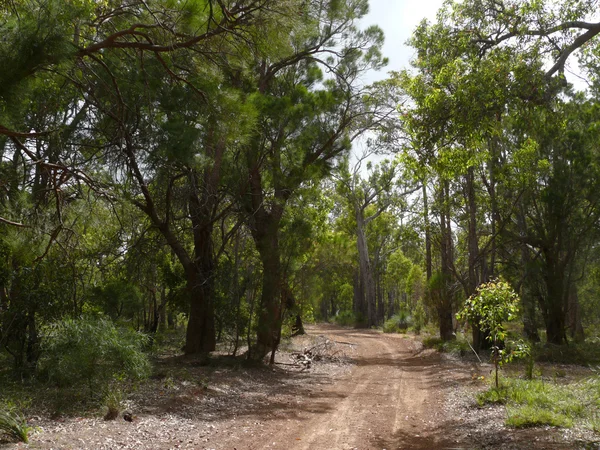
325,349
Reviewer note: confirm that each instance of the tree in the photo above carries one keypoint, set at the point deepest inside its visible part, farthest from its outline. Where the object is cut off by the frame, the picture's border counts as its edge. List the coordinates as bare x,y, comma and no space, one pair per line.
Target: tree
492,305
305,122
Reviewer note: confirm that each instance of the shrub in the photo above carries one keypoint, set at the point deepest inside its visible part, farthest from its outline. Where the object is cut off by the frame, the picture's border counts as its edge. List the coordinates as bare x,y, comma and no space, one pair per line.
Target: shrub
458,347
94,351
114,403
539,402
419,317
493,304
397,323
13,425
346,319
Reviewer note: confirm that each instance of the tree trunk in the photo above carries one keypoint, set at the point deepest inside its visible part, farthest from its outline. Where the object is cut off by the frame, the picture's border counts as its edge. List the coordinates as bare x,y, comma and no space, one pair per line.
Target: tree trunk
366,271
360,307
479,336
200,334
265,232
554,307
428,264
445,300
574,315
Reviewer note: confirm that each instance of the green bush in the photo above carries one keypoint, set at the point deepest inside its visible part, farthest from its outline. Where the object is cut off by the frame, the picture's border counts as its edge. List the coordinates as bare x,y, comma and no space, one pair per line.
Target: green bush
346,319
458,346
419,317
92,351
398,323
13,425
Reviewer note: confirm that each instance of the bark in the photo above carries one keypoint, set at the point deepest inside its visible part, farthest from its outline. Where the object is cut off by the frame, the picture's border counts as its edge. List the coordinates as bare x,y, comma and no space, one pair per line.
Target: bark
391,301
494,204
203,202
530,326
445,301
265,231
380,300
366,271
479,335
574,315
200,334
428,264
554,305
360,307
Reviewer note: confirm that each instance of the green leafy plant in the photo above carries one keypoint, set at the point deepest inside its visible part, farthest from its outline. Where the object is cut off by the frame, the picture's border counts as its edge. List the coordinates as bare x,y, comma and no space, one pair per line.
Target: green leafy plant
542,402
490,307
419,317
348,319
113,401
13,425
93,351
397,323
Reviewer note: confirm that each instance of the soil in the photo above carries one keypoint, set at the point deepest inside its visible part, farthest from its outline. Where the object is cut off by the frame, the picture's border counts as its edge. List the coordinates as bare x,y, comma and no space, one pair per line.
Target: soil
364,390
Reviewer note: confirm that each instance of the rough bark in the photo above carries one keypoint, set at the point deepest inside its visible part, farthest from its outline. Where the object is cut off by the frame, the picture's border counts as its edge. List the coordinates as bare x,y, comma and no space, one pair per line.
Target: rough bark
428,263
554,304
445,301
574,315
366,271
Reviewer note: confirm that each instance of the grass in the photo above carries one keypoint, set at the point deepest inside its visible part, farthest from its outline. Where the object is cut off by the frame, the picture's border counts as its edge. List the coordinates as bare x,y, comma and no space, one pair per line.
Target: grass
13,425
545,402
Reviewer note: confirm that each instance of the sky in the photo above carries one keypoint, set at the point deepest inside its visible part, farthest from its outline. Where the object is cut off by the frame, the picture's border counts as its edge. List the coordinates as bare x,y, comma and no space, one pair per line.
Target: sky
398,19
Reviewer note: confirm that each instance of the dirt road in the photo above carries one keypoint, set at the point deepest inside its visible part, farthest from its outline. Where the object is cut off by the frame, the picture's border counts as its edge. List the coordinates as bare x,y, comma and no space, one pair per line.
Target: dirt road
390,400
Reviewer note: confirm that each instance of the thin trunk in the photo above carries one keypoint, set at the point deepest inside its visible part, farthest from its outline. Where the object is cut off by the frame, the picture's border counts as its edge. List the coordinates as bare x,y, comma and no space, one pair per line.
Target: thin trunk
445,300
473,282
530,326
554,307
428,263
574,315
494,207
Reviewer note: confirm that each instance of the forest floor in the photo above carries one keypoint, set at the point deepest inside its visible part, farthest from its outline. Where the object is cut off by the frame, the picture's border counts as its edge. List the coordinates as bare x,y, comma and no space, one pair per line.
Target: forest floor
367,390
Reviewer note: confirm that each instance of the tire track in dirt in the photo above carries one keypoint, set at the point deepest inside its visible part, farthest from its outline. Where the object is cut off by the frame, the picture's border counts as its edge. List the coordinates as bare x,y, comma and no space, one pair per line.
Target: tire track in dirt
391,400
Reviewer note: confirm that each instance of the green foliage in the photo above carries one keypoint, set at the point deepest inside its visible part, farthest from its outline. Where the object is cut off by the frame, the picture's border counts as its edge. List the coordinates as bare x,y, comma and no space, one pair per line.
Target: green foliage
582,353
419,317
398,323
93,351
492,305
13,425
542,402
113,401
457,347
348,319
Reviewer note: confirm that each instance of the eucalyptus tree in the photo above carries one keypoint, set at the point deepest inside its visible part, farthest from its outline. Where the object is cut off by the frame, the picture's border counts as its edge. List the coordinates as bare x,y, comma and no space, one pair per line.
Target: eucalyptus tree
306,120
479,66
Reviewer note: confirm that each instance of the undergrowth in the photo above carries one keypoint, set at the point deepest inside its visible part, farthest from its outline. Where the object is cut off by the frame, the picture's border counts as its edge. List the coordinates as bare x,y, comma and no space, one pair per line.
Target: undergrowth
458,346
13,425
398,323
545,402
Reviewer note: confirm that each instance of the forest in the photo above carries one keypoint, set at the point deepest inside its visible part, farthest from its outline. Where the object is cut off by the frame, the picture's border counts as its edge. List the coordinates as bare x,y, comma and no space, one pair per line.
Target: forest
206,180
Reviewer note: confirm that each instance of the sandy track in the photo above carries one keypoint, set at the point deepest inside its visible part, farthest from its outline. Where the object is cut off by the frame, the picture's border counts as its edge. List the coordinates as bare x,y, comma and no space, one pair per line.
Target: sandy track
390,400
